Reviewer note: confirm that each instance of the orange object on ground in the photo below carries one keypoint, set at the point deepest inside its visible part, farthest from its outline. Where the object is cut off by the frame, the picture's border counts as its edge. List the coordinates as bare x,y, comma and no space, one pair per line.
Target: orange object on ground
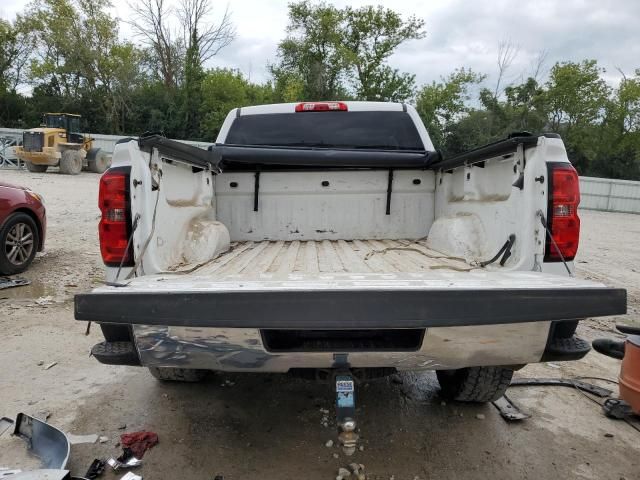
630,373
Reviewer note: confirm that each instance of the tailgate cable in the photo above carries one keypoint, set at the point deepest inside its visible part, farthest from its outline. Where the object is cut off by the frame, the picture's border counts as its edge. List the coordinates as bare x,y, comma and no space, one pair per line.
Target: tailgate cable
543,220
505,252
143,250
133,229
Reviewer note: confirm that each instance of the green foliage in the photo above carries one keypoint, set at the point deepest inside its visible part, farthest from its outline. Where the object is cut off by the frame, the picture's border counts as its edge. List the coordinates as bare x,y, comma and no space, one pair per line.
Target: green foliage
444,103
371,35
68,56
332,53
223,90
600,126
311,65
618,138
192,90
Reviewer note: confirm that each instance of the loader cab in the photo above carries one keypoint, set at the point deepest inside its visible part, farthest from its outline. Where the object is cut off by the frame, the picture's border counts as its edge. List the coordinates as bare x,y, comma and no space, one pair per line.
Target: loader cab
66,121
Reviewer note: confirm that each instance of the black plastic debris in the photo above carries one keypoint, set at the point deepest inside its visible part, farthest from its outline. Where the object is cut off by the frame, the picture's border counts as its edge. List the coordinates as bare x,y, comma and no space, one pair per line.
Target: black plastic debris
95,469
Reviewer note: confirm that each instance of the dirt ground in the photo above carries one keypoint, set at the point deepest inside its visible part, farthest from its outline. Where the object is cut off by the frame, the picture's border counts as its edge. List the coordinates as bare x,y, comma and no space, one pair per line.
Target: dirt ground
270,426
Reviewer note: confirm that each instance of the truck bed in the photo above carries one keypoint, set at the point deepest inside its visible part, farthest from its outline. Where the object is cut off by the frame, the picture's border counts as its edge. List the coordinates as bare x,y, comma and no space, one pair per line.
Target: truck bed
278,259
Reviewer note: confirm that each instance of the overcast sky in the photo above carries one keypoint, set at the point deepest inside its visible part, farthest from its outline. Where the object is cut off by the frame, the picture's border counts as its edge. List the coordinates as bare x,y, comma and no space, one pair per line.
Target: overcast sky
459,33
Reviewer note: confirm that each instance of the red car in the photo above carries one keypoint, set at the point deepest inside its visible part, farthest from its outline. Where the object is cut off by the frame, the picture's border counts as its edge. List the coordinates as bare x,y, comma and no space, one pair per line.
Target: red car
23,224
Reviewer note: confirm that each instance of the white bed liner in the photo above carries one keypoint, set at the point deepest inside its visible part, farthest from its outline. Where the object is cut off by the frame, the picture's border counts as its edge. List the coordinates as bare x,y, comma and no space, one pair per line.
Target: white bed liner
391,265
278,259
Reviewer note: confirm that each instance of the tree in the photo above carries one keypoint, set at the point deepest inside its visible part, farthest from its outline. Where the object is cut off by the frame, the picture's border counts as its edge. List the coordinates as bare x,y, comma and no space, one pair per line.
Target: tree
151,23
371,35
443,103
310,59
334,53
192,89
198,28
81,61
576,94
618,152
224,90
528,110
507,53
15,48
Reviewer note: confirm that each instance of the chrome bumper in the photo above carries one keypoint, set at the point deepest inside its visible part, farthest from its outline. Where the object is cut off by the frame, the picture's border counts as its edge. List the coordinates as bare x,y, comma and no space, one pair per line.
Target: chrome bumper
242,349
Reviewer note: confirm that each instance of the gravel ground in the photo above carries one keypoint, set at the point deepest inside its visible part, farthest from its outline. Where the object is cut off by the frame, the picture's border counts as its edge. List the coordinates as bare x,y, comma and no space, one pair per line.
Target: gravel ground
270,426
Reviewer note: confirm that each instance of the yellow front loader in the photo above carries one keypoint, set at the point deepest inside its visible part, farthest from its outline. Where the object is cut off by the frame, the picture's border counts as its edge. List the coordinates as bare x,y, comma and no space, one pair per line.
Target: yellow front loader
58,142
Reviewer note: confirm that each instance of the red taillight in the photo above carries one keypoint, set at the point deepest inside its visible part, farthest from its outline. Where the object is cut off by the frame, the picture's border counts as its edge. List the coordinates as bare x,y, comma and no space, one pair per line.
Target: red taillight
322,107
115,226
563,220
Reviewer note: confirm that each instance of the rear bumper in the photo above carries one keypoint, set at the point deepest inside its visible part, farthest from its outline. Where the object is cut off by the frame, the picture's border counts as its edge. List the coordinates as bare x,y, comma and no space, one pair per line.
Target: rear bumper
222,327
244,350
347,309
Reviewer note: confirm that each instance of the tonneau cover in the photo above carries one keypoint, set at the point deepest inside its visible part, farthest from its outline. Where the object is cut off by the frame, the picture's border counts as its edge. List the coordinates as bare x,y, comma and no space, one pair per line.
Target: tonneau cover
221,157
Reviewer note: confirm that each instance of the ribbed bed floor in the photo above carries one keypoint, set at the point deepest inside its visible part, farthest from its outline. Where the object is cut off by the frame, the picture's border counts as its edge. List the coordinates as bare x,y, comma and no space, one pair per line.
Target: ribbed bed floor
247,260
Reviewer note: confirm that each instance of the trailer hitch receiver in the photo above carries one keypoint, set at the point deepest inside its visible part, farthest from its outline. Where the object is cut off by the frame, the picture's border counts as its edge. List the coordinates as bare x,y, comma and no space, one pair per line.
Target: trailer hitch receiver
345,411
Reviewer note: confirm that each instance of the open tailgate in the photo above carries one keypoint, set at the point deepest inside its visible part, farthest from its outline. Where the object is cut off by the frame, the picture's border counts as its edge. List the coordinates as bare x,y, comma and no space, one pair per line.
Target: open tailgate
350,301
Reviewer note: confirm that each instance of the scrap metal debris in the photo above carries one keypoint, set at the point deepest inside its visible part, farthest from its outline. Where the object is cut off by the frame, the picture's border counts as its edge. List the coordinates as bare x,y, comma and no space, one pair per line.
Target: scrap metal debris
6,282
50,365
126,460
47,443
131,476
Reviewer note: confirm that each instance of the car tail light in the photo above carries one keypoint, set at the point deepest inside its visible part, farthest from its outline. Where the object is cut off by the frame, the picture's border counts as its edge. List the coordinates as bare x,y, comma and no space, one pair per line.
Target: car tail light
562,215
115,225
321,107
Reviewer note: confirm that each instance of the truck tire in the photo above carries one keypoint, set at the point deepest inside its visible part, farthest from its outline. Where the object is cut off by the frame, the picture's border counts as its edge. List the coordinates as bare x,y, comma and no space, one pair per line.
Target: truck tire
35,168
16,257
71,162
167,374
98,160
474,384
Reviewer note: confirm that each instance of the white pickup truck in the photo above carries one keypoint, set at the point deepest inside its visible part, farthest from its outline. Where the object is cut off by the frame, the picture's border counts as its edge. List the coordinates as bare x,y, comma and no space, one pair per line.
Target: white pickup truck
332,237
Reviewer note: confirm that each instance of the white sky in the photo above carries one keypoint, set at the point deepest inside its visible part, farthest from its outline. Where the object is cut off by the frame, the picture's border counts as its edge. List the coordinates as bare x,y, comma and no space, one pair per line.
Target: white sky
459,33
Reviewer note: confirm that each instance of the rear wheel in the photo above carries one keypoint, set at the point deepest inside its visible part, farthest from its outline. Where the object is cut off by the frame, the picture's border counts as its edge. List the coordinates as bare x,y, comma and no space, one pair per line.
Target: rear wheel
474,384
177,374
35,168
98,160
71,162
18,243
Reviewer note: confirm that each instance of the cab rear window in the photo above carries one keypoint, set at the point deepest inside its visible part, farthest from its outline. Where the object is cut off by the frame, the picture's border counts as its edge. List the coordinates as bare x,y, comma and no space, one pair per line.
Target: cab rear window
374,130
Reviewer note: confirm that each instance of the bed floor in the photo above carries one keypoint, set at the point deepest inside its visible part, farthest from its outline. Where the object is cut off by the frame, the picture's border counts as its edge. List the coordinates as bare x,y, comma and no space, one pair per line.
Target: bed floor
251,259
